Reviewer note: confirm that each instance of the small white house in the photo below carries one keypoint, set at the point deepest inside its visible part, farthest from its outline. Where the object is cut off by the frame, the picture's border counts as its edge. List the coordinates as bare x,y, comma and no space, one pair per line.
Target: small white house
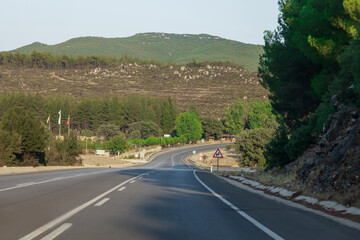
100,152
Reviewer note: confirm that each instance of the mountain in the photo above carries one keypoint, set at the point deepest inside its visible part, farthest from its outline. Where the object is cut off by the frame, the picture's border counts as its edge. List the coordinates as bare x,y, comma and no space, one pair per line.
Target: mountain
164,47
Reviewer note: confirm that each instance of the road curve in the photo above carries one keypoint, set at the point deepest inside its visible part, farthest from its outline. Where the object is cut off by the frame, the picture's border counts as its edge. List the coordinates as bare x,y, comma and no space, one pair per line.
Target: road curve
165,199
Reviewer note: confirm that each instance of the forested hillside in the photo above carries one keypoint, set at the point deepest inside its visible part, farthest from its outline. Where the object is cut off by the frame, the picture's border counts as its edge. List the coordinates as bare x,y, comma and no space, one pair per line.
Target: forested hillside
163,47
89,114
311,67
311,58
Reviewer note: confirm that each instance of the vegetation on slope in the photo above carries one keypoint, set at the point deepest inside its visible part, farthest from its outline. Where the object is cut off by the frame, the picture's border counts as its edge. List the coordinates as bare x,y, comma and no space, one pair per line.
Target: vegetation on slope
163,47
211,86
312,56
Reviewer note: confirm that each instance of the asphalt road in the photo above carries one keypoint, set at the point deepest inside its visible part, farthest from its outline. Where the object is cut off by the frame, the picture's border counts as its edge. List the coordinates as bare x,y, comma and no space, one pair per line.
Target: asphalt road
164,199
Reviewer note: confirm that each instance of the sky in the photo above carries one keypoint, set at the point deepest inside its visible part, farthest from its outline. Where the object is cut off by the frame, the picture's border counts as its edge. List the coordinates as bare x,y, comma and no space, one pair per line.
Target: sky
54,21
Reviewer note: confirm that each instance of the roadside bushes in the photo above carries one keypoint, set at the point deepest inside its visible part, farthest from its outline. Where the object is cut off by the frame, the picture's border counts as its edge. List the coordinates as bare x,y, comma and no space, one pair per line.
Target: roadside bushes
153,141
250,144
189,125
145,128
108,131
249,115
116,144
22,138
64,152
10,146
275,153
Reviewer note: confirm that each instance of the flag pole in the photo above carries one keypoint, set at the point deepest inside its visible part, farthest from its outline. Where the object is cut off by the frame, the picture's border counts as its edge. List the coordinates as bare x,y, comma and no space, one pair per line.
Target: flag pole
69,125
59,123
49,130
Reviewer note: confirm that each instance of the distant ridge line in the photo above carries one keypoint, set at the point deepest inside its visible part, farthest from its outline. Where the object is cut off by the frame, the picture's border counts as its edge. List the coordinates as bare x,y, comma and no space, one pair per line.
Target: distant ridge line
164,47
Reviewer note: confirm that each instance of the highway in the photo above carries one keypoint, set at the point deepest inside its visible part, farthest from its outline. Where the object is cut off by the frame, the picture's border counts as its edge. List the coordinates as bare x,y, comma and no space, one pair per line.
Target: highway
164,199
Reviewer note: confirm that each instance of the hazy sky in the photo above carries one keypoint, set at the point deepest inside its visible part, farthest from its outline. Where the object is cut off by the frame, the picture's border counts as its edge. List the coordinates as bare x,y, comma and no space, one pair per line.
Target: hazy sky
54,21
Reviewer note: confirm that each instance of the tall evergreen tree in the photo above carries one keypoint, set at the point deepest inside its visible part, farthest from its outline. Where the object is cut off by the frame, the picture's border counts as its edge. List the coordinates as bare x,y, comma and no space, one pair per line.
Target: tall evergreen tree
189,126
29,128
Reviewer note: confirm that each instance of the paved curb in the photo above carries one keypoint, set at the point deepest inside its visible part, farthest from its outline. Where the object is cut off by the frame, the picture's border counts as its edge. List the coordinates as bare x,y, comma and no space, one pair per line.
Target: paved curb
284,193
340,220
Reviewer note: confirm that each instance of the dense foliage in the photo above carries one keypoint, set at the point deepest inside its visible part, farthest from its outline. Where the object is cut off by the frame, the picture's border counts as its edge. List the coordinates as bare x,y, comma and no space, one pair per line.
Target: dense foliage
274,151
250,115
10,147
301,68
189,126
108,131
51,61
90,114
23,137
254,123
144,129
251,144
64,152
152,141
116,144
212,127
26,138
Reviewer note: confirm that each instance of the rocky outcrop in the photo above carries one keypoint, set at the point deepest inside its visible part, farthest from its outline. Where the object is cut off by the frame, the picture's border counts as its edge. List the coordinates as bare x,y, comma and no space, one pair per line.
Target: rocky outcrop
332,167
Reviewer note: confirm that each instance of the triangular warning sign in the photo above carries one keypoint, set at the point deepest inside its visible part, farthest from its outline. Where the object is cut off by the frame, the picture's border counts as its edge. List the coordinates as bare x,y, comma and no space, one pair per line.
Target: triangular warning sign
218,154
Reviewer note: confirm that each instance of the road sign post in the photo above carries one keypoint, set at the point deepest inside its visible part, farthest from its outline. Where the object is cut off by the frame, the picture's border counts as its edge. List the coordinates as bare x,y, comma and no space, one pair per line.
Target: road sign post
217,155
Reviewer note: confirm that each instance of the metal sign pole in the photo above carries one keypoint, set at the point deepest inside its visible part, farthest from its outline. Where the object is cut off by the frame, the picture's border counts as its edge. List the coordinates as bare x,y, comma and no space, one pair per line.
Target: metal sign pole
217,155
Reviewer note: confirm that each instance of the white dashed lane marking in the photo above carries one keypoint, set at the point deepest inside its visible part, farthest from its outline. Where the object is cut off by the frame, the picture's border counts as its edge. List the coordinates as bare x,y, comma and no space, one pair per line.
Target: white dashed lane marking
57,232
71,213
102,202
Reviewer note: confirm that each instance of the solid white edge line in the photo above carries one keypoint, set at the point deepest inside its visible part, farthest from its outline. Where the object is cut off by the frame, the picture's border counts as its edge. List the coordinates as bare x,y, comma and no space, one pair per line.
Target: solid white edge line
25,184
243,214
247,217
102,202
57,232
342,221
71,213
120,189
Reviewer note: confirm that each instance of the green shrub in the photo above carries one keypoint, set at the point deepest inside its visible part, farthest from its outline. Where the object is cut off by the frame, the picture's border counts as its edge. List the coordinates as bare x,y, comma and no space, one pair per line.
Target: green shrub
64,152
10,145
275,153
116,144
302,137
189,125
152,141
28,127
299,141
108,131
251,144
